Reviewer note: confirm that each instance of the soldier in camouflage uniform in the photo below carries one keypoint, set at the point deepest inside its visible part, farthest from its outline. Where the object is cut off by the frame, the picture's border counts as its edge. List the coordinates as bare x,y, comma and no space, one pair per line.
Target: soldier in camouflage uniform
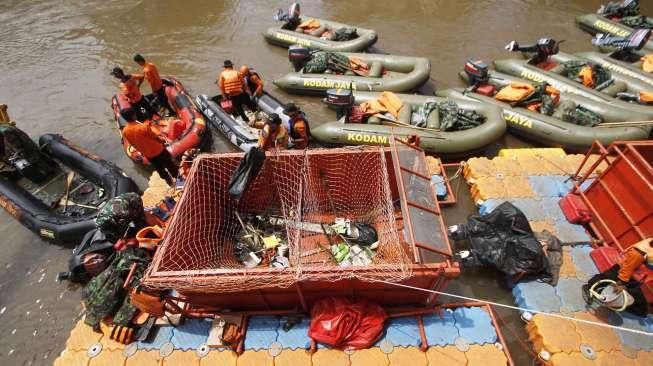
114,217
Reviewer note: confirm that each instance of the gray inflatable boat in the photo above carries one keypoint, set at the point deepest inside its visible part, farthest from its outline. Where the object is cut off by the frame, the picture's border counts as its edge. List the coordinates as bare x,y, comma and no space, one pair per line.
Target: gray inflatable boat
522,69
553,130
285,37
631,68
454,143
387,73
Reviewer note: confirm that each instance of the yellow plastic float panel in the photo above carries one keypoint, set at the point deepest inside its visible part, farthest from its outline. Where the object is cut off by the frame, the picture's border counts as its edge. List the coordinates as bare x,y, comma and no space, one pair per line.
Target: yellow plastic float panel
406,356
548,152
542,225
507,166
553,334
144,358
71,358
179,357
486,355
108,358
82,337
567,269
289,357
449,355
255,358
517,187
365,357
599,338
571,359
330,357
478,167
222,358
107,342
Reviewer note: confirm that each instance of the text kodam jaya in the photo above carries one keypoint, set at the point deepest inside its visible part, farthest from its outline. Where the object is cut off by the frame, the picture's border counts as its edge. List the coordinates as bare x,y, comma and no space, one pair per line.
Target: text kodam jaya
517,119
611,28
293,39
329,84
372,139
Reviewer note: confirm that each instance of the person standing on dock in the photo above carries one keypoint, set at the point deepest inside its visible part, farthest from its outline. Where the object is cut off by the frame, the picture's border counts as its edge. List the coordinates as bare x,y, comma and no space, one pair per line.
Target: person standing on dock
150,144
232,86
622,273
151,74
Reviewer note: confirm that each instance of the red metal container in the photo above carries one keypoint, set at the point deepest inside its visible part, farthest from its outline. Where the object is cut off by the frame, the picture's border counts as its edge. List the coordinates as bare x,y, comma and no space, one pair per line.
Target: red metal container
389,187
575,210
620,200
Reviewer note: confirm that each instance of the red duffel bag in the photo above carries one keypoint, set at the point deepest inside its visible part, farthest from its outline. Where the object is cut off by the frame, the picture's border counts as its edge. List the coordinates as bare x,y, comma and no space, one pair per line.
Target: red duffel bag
343,323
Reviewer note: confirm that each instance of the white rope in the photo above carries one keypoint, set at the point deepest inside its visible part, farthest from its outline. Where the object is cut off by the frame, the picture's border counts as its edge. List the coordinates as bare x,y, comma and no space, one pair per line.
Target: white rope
516,308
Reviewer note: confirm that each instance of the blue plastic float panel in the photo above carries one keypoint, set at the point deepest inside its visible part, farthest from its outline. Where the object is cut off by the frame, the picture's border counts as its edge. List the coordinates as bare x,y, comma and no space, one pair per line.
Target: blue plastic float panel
191,334
402,332
475,325
531,207
571,297
569,233
163,335
536,296
544,185
580,255
261,332
440,329
296,337
637,341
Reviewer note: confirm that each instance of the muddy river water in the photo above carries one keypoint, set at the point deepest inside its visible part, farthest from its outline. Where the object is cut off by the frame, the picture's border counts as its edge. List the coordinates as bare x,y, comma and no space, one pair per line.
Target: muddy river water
55,59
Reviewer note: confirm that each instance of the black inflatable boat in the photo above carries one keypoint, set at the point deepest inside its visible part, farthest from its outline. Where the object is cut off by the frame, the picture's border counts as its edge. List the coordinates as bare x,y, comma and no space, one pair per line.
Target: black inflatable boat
29,171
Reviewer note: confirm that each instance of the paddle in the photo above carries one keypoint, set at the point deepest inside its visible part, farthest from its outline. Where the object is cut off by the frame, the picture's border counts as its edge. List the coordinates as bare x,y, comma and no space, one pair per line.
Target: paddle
69,181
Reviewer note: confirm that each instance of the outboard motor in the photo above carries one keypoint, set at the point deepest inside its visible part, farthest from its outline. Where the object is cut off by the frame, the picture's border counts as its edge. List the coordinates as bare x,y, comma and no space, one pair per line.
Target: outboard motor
624,46
342,100
291,18
544,48
619,9
478,77
298,56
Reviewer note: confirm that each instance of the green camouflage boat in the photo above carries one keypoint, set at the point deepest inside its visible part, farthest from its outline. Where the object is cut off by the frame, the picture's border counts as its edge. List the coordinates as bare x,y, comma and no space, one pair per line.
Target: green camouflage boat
363,39
378,131
554,130
385,73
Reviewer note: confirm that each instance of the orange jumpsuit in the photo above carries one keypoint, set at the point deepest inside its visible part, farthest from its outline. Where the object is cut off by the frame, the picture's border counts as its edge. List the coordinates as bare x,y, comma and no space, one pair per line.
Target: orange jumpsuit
270,139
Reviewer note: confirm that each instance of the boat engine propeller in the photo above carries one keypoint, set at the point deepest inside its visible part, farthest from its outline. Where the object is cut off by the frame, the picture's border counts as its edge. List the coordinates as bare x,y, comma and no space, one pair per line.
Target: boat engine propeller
542,49
298,56
342,100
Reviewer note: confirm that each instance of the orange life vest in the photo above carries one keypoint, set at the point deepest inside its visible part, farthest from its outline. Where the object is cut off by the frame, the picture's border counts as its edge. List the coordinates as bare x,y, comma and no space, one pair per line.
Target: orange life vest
130,90
152,76
270,139
231,82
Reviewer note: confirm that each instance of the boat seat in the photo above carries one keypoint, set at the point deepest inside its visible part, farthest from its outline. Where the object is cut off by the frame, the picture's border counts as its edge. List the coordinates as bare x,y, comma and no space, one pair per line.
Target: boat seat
405,113
433,120
616,87
373,120
376,67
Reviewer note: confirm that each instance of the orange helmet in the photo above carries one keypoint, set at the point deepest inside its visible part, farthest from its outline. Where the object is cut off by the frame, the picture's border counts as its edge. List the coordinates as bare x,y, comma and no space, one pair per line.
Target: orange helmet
244,70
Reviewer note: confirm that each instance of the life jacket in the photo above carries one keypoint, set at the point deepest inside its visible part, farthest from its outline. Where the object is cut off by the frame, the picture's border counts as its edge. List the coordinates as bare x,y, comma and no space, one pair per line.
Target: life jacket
646,97
586,75
515,92
251,85
266,141
233,85
130,90
647,63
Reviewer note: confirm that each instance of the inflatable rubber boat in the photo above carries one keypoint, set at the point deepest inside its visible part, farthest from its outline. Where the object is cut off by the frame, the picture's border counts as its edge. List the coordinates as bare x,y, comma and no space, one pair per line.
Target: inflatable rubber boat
377,131
630,67
321,38
598,23
522,69
238,132
379,73
185,130
553,130
34,178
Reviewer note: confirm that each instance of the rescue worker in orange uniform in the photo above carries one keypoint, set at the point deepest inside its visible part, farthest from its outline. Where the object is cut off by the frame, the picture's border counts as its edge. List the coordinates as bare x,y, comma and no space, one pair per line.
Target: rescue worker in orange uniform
297,126
151,74
273,134
129,87
144,138
622,273
233,86
254,84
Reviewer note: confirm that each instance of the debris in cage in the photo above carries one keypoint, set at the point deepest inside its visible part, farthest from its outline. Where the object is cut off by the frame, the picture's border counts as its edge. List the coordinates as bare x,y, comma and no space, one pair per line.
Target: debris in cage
258,243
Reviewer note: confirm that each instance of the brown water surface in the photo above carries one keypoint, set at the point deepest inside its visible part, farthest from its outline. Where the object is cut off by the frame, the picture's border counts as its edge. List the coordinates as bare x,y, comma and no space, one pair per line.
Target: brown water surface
55,58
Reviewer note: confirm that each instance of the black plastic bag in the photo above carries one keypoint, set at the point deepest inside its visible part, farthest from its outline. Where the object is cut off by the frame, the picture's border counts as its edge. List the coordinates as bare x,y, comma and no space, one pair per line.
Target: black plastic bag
503,239
246,172
363,234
